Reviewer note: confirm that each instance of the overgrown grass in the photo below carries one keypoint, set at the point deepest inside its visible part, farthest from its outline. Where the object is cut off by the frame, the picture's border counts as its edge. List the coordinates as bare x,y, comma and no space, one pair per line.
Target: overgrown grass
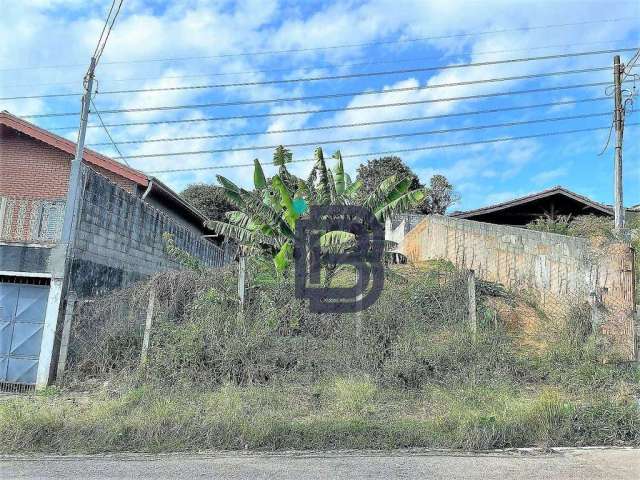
406,373
341,413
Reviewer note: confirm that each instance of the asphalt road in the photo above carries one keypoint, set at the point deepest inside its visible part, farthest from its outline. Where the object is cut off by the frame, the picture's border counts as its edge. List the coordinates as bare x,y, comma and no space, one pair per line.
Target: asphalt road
592,464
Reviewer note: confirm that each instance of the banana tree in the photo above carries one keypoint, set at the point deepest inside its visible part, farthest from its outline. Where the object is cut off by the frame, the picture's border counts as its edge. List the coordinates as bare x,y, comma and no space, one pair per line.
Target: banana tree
265,219
393,195
331,187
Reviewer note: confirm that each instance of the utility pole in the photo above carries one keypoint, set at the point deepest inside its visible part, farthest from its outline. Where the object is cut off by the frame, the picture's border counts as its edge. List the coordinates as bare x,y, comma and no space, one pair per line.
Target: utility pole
619,126
60,267
73,195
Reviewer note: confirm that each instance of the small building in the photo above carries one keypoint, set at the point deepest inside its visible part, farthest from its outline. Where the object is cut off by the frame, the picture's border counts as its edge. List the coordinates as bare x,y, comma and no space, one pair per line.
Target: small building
116,239
551,203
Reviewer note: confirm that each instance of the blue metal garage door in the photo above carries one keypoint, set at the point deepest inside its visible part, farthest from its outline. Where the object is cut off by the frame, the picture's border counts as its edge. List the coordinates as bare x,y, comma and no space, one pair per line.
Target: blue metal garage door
22,312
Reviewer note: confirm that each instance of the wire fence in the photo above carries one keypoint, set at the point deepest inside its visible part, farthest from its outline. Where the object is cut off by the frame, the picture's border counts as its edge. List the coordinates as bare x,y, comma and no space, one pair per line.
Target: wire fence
187,326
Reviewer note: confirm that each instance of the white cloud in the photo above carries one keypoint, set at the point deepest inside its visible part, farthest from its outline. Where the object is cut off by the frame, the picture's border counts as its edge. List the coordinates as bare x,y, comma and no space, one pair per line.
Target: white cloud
549,175
64,32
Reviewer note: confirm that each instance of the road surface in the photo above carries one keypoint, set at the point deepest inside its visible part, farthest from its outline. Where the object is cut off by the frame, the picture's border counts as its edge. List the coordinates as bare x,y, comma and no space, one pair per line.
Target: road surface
589,463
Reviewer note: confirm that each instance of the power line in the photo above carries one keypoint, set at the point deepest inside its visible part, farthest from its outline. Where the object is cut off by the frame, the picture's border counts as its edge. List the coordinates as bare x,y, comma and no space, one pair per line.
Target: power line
351,125
103,43
383,42
320,66
104,27
333,47
366,139
404,150
108,134
368,74
332,77
326,96
630,64
348,108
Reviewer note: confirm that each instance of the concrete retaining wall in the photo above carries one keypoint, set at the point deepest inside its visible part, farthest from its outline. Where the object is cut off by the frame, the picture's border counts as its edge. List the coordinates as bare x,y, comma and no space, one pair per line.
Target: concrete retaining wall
557,269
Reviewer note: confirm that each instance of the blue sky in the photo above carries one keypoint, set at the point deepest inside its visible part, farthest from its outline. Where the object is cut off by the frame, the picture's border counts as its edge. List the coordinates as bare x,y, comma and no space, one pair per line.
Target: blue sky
64,32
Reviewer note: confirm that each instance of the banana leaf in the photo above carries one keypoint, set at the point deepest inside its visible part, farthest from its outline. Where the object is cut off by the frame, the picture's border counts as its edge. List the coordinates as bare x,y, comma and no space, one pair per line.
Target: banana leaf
259,180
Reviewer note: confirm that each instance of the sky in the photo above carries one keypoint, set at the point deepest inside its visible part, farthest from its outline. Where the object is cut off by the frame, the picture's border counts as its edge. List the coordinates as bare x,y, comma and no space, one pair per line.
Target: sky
45,47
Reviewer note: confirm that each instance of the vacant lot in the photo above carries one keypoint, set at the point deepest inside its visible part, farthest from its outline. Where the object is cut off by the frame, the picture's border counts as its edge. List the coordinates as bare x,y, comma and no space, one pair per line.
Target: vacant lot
407,373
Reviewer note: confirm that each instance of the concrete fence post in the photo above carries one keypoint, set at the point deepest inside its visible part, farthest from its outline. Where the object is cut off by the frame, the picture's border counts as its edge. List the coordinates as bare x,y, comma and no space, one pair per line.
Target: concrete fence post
66,334
147,327
472,314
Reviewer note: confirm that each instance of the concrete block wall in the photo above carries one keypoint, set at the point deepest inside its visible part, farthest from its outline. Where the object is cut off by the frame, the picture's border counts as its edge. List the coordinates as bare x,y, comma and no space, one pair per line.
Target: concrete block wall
558,270
118,239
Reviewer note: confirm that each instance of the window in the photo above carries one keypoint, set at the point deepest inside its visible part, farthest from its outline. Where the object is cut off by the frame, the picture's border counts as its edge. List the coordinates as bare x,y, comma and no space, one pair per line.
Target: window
51,219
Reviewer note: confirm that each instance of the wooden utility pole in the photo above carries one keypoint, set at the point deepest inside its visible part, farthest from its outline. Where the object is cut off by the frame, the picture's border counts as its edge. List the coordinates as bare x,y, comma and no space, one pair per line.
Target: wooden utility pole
619,126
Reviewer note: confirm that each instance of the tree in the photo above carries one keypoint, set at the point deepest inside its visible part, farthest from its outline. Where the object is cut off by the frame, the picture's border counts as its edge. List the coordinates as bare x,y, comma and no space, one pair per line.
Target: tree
209,199
265,219
440,196
325,186
282,156
375,171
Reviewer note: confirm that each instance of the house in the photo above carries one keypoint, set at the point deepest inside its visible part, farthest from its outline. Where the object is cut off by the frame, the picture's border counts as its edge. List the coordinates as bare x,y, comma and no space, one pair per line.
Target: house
553,202
117,239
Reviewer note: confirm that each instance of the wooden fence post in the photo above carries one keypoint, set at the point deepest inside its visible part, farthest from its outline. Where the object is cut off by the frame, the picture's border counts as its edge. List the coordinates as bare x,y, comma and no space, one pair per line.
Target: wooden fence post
597,313
359,298
147,326
66,334
242,273
473,318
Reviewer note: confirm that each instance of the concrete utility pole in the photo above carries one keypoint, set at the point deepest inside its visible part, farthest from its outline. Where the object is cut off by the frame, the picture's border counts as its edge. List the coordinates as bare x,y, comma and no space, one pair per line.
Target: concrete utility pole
60,265
619,126
74,178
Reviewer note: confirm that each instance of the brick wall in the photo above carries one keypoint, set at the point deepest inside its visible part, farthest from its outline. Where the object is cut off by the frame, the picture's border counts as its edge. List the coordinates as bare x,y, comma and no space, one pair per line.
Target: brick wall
118,239
34,179
31,168
560,271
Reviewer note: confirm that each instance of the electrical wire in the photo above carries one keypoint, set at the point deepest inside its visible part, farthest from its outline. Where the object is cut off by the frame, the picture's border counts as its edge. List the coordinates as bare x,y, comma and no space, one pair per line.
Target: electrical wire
319,66
630,64
106,31
399,151
367,139
333,47
327,77
352,125
112,142
347,108
327,96
330,77
104,27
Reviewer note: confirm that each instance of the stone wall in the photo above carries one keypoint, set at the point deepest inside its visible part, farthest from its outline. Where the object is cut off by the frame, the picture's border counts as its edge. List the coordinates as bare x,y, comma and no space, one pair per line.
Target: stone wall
558,270
118,239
